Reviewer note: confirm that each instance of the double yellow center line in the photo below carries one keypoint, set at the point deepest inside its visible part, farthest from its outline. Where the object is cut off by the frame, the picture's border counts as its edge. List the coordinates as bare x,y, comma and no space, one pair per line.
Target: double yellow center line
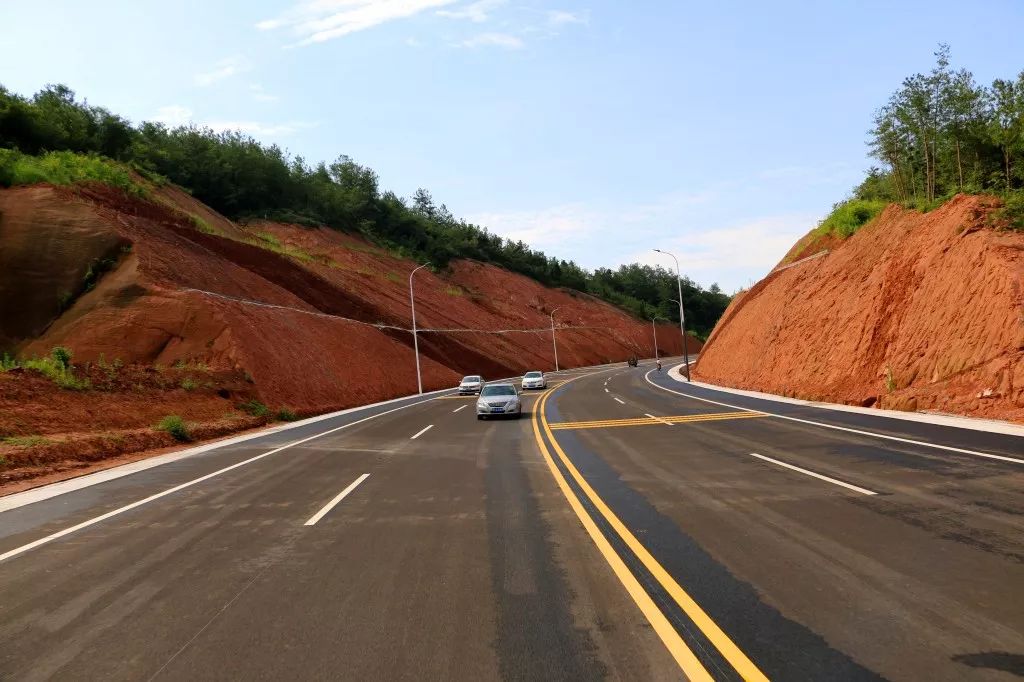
683,655
649,421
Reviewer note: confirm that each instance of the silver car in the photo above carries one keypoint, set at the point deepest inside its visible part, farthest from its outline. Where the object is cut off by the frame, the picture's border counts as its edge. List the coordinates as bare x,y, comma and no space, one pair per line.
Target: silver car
499,400
471,384
534,380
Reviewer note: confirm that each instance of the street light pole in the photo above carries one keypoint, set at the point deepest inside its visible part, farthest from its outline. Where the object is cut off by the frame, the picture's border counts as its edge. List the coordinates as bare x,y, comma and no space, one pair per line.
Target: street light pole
554,344
654,330
682,318
415,338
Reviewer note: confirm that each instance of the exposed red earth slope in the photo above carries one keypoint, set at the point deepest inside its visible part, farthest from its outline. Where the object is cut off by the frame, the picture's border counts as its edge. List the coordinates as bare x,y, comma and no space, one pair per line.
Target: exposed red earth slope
914,311
291,316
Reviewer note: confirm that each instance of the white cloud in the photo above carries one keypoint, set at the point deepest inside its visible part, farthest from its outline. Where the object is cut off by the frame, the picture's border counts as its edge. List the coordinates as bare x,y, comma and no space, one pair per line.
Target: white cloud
688,223
475,11
225,68
509,42
261,95
558,17
317,21
257,129
173,115
176,115
541,229
755,245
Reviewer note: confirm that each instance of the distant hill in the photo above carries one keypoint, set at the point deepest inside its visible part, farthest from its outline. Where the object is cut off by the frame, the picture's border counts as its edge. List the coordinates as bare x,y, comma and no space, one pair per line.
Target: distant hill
242,179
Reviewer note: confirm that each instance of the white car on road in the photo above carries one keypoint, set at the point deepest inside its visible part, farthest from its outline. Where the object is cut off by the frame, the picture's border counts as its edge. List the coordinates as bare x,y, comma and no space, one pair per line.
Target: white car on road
471,384
534,380
499,400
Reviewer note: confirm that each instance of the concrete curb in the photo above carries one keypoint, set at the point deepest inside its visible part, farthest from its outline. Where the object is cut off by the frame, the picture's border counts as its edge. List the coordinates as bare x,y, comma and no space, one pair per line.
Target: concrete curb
972,423
45,492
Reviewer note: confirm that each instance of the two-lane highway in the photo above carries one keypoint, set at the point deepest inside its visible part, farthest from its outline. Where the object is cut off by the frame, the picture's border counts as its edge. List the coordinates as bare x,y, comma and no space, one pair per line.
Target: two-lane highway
625,528
816,545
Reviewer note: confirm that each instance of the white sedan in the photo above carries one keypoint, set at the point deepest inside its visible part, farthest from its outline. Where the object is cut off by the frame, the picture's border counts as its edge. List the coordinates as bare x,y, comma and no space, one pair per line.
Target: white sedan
534,380
471,384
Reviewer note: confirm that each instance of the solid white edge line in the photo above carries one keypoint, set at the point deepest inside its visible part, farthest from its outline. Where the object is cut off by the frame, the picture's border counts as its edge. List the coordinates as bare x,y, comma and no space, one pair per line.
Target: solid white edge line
618,401
872,434
658,419
51,490
146,500
337,498
421,432
936,419
863,491
459,408
45,492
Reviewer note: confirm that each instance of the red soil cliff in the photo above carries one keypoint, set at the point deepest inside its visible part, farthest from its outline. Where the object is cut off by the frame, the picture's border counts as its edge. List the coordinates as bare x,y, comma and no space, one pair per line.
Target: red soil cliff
915,311
307,319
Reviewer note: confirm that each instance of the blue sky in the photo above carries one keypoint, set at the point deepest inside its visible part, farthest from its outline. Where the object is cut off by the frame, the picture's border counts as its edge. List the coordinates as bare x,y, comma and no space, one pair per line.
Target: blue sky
593,130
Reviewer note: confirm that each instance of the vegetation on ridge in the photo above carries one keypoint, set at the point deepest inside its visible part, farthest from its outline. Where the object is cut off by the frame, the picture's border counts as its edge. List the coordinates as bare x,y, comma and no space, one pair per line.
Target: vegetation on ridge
938,135
242,178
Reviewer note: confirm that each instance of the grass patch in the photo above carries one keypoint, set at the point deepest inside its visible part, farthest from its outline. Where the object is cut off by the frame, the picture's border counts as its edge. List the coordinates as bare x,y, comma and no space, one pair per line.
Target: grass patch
201,224
176,426
453,291
285,415
65,168
254,408
849,216
1012,210
266,240
270,239
25,441
189,384
8,363
57,368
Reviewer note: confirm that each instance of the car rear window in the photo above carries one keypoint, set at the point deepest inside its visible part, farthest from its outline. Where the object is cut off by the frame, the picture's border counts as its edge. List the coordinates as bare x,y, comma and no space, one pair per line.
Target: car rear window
498,390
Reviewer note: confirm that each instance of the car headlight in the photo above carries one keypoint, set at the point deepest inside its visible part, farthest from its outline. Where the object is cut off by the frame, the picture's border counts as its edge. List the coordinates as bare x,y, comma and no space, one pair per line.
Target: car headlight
512,404
481,406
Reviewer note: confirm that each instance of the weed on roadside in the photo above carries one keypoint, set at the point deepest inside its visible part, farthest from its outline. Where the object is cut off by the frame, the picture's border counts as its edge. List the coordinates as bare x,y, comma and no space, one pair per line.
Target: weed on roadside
254,408
25,441
176,426
890,381
57,368
285,415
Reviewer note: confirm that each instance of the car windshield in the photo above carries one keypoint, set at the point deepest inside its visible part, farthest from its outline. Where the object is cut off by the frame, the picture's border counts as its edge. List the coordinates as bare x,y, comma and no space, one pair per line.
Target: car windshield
533,375
498,390
470,380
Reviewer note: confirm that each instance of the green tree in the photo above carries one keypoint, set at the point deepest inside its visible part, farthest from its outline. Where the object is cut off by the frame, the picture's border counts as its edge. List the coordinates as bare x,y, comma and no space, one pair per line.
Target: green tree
1006,127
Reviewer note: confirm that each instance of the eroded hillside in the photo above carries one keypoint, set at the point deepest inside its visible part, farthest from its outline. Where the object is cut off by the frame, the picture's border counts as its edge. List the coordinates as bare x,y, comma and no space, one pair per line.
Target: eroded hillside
915,311
209,315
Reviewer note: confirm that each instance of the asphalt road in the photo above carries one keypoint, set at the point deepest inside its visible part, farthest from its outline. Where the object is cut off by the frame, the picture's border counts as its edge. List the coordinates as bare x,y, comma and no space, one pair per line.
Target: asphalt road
627,528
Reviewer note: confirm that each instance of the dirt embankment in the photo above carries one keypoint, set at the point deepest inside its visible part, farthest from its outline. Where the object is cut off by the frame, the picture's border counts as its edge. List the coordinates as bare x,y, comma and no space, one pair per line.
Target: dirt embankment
307,320
915,311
